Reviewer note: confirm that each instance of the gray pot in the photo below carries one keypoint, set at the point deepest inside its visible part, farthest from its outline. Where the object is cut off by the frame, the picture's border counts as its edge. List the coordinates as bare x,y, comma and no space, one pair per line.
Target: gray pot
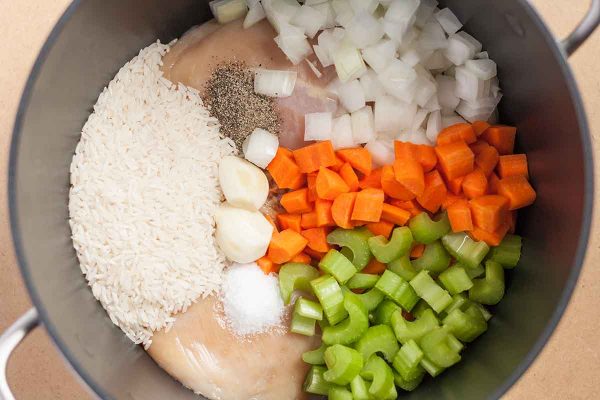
94,38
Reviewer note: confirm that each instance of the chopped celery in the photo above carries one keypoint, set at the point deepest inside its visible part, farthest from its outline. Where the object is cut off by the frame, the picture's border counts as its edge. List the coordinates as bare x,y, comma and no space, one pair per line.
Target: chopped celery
399,244
455,279
315,383
351,329
302,325
420,307
355,241
397,289
408,386
403,268
338,266
383,312
343,364
431,292
378,338
308,308
371,299
432,368
458,301
339,393
467,251
490,289
315,357
508,252
330,295
359,388
441,347
362,281
382,377
415,330
435,258
426,231
473,272
295,276
466,325
407,361
484,311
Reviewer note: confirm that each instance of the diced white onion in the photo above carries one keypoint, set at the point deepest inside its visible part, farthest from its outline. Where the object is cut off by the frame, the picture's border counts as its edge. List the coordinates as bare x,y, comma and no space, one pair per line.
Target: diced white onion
419,119
296,48
256,13
468,85
399,80
372,88
432,36
364,30
411,57
425,86
363,125
481,109
325,9
483,55
437,61
433,104
318,126
392,115
462,47
402,10
341,135
309,19
351,95
484,69
274,83
343,11
434,125
287,8
382,152
417,137
349,63
449,120
260,147
314,2
323,56
380,54
448,21
252,3
446,92
408,40
368,5
424,12
314,68
228,10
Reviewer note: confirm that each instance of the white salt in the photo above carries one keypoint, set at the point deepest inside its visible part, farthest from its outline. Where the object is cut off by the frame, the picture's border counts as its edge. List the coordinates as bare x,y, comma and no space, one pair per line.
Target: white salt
251,300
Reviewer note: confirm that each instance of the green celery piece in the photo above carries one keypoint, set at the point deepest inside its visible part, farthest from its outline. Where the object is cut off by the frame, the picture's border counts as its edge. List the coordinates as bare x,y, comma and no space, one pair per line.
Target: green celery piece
383,312
484,311
455,279
397,289
335,264
295,276
362,281
459,301
466,325
408,386
352,328
407,361
315,383
441,347
315,357
430,291
508,252
355,241
467,251
415,330
378,338
490,289
427,231
399,244
371,299
420,308
331,297
473,272
435,258
302,325
432,368
359,388
403,267
339,393
382,377
343,364
309,309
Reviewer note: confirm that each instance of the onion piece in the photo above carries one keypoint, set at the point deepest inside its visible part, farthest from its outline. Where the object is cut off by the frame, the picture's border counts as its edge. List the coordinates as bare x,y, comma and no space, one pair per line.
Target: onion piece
256,13
341,135
364,29
432,36
351,95
392,115
372,88
425,86
314,2
296,48
482,56
349,63
434,126
380,54
318,126
343,11
437,61
309,19
382,152
367,5
419,119
417,137
402,10
260,147
287,8
325,9
424,12
448,21
314,68
446,92
468,85
461,47
433,104
226,11
399,80
484,69
274,83
448,120
410,57
363,125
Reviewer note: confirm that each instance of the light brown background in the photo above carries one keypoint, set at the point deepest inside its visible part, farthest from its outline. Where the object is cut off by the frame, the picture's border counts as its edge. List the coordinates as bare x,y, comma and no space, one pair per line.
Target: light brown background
569,366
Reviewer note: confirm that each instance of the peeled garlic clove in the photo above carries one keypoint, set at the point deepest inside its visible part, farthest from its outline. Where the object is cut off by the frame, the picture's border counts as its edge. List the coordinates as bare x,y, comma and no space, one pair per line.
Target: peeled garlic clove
242,235
244,185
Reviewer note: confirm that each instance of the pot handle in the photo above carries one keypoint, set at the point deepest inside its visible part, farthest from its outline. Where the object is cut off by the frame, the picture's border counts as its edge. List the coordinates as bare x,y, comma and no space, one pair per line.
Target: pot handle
9,340
585,28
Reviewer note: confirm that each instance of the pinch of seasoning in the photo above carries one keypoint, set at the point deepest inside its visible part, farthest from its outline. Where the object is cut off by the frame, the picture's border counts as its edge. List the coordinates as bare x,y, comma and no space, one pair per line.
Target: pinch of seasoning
230,96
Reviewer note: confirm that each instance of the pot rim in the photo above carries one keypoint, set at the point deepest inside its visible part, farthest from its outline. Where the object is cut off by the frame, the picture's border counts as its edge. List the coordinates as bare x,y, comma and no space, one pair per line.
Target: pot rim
565,296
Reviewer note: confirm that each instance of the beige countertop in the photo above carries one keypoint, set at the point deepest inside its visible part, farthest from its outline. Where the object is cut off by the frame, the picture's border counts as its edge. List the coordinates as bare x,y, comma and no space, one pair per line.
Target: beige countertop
566,369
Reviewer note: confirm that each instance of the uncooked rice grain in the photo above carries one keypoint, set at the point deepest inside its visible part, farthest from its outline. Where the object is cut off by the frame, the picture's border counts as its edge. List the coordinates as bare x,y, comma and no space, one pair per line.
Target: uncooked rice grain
144,191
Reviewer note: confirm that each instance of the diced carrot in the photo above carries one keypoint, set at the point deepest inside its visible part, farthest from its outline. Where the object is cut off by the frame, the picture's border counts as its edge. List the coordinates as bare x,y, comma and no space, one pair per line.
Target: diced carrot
330,184
341,210
457,132
475,184
373,180
491,238
493,181
289,221
435,192
459,215
404,149
411,206
273,223
285,171
451,199
311,183
382,227
426,156
374,267
310,158
501,137
455,159
409,172
478,146
489,212
301,258
359,158
285,152
296,202
392,187
317,239
513,164
455,185
267,266
315,255
368,205
479,127
517,190
309,220
285,246
417,251
395,214
486,159
323,211
349,176
338,164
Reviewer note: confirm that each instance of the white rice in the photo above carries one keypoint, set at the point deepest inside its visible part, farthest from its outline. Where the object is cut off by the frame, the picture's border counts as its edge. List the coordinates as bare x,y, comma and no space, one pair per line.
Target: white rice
144,192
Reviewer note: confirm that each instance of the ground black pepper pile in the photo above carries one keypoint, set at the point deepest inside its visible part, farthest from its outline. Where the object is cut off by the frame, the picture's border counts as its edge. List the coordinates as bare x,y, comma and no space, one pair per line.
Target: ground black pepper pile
231,98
